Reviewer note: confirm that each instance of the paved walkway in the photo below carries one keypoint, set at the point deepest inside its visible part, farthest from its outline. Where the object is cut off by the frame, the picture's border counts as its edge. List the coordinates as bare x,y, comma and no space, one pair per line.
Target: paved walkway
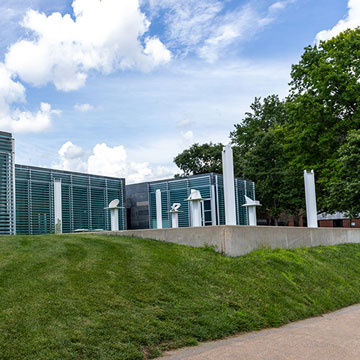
334,336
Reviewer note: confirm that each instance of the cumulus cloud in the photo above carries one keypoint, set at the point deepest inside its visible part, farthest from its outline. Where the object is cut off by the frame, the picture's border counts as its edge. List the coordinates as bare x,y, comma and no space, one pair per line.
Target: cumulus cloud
108,161
104,35
12,118
72,157
83,107
351,21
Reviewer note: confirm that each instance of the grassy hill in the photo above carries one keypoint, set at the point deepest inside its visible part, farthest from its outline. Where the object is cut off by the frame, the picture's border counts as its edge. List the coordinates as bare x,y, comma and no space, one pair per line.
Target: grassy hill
98,297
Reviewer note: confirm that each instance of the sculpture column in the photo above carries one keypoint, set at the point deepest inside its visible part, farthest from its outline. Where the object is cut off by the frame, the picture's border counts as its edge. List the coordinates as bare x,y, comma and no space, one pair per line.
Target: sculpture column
175,215
310,196
57,206
229,188
251,205
195,207
158,209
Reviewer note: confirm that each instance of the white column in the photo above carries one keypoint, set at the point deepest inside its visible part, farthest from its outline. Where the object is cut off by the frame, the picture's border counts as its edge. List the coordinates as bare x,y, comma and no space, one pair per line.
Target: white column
310,196
57,206
213,206
252,215
158,209
229,189
175,219
195,207
196,213
251,205
114,217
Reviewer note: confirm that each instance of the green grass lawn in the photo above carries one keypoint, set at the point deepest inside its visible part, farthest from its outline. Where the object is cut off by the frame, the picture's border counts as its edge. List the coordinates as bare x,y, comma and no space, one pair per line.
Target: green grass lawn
99,297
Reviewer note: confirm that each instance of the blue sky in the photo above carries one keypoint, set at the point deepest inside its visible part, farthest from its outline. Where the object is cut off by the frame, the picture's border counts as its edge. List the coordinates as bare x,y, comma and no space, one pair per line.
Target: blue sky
120,87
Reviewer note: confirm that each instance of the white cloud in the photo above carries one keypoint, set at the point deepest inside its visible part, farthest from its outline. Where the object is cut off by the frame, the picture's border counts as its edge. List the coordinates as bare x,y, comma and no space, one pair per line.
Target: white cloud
188,135
83,107
207,27
72,157
187,20
104,36
109,161
13,119
351,21
234,26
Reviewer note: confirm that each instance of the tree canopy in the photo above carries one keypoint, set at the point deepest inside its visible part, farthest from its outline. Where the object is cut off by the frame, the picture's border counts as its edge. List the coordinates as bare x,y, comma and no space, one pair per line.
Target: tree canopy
316,127
200,159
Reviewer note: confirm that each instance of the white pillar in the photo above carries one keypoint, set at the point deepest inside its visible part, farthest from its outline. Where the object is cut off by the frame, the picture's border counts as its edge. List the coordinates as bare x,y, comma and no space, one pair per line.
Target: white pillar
196,213
114,216
195,207
310,196
57,206
213,206
229,188
252,216
174,211
251,206
175,219
158,209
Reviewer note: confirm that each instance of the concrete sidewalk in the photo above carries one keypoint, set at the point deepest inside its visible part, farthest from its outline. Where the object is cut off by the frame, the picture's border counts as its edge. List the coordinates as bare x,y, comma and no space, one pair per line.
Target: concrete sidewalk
335,336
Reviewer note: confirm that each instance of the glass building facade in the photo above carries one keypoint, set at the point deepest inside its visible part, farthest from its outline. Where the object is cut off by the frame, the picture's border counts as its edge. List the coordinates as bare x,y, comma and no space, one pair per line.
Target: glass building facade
27,197
84,200
7,188
141,199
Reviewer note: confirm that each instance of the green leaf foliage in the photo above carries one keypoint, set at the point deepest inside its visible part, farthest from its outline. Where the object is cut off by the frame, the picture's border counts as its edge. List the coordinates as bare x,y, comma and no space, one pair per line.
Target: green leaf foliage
323,108
258,141
200,159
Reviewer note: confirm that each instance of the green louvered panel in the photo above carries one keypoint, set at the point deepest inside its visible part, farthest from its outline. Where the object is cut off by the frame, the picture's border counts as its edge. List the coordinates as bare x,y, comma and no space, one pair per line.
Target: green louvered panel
152,210
98,213
66,202
98,182
84,198
199,182
162,186
220,199
178,184
40,175
40,207
23,213
250,189
66,178
176,191
21,173
180,196
117,194
7,216
5,193
81,212
165,208
241,212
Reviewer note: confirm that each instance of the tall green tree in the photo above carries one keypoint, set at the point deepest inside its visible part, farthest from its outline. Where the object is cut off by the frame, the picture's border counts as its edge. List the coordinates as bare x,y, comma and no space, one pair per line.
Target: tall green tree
323,107
200,159
261,156
344,187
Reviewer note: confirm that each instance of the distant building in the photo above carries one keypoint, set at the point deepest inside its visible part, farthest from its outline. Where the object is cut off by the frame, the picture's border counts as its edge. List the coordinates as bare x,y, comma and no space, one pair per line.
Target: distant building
337,220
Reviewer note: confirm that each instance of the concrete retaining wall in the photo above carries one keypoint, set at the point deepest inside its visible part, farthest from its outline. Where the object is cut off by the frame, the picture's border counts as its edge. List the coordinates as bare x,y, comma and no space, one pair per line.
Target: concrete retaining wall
240,240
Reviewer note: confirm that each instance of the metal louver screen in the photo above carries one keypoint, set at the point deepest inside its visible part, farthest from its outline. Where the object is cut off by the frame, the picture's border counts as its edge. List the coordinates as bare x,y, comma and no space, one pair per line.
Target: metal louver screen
83,197
7,216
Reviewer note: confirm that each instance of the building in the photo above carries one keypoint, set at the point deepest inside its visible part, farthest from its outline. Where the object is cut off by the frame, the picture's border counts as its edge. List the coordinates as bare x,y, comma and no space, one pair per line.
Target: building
337,220
27,197
141,201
